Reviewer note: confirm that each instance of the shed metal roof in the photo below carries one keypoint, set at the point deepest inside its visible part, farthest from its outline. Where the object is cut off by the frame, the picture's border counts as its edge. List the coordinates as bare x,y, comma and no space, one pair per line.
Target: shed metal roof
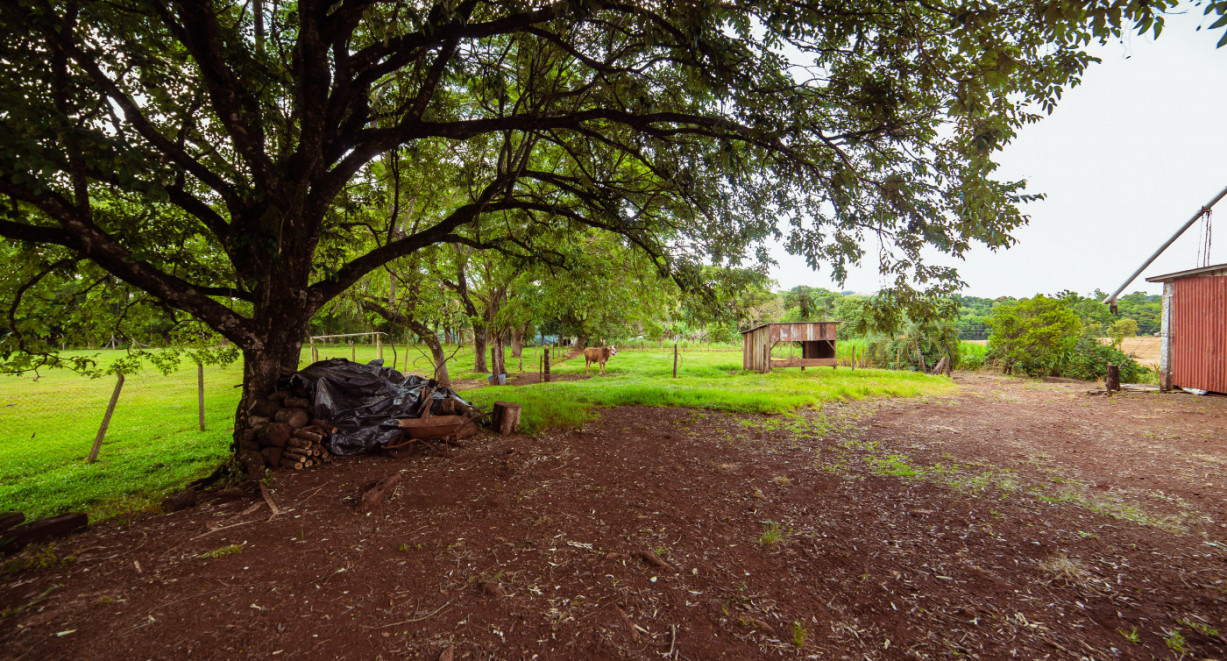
787,323
1205,270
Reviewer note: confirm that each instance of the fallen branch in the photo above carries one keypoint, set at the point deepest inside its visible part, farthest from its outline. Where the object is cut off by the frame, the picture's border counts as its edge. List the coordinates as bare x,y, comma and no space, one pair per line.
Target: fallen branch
373,495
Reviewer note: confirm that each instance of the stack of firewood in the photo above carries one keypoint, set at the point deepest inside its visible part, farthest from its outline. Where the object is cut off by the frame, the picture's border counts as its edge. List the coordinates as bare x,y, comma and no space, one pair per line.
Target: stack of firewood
284,434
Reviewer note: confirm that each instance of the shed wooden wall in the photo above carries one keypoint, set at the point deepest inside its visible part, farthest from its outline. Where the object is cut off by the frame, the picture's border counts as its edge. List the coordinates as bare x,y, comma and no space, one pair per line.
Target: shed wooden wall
755,349
757,343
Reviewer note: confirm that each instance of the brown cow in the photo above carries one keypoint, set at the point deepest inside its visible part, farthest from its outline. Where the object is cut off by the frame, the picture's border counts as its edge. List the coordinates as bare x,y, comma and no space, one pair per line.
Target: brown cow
598,355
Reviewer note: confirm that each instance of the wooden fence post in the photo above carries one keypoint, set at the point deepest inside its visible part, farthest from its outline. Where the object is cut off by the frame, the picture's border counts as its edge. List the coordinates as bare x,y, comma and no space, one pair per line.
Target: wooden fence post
106,419
200,392
675,360
379,346
545,356
353,351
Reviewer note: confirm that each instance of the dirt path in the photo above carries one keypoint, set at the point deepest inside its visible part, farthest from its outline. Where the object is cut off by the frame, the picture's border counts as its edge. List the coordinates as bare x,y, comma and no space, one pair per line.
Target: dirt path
1013,520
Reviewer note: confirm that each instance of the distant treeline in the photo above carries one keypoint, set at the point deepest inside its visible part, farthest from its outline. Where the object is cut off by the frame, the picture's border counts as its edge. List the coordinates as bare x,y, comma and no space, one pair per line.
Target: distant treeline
1143,308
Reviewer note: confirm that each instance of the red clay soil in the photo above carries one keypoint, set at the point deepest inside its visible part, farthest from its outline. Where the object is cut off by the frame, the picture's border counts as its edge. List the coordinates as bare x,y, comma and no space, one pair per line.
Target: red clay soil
1013,520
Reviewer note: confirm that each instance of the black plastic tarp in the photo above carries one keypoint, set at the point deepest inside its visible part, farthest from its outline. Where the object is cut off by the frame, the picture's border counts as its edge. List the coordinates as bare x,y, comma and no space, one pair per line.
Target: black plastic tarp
363,401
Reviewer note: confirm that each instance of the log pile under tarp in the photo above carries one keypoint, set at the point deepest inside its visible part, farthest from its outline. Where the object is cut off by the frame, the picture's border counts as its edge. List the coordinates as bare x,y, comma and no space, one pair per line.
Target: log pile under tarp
339,407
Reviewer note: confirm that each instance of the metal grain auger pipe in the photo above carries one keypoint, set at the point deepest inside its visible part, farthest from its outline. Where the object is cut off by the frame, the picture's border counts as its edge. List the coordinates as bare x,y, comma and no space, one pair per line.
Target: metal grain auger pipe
1111,300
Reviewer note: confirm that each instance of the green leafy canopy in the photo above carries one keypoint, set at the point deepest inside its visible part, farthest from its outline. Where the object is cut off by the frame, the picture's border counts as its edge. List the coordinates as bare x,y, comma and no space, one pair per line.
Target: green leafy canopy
217,159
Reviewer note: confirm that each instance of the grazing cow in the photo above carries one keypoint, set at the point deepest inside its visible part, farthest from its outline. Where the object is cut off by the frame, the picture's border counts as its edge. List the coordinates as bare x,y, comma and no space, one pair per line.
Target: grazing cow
598,355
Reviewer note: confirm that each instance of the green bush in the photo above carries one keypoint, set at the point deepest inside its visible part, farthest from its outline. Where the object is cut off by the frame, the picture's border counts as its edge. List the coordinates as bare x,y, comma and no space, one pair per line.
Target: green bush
1032,335
1088,360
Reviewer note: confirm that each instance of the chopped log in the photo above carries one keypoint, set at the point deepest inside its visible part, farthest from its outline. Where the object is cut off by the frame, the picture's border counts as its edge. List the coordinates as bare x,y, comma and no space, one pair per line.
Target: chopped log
308,435
296,442
506,417
275,435
179,500
294,417
308,463
290,464
10,519
374,494
272,456
256,421
439,426
253,464
447,406
263,409
1112,380
295,454
424,405
327,457
324,425
942,366
297,403
42,529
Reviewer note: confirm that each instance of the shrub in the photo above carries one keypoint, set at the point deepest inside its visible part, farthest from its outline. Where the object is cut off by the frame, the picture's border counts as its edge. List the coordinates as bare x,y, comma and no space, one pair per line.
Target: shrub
1032,335
1088,360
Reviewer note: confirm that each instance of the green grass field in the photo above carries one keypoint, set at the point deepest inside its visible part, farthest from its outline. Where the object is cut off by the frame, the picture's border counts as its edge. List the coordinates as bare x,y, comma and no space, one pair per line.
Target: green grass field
154,446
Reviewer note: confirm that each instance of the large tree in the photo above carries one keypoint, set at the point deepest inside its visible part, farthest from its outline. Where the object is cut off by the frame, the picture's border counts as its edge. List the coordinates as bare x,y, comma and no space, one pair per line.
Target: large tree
205,151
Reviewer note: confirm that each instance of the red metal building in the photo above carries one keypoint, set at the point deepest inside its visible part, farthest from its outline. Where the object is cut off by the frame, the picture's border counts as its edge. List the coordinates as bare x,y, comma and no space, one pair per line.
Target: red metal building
1193,351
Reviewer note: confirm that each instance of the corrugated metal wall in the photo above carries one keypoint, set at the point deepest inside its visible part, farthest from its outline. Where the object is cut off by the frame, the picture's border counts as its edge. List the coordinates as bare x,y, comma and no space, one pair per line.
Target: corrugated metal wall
1199,333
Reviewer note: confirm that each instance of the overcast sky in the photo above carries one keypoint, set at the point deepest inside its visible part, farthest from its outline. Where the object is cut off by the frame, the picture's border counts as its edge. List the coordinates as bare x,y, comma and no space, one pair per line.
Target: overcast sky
1127,157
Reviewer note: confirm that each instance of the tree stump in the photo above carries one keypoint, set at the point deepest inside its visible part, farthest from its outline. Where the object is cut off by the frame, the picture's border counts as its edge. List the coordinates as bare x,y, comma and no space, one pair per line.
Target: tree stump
1112,380
506,417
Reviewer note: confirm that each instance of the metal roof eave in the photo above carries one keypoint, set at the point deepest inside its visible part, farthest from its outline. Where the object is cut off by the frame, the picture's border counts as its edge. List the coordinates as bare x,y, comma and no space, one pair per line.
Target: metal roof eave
1190,272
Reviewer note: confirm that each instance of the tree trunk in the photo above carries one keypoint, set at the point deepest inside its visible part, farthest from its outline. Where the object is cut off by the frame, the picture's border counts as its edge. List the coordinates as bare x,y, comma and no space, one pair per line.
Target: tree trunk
479,345
263,368
439,357
517,342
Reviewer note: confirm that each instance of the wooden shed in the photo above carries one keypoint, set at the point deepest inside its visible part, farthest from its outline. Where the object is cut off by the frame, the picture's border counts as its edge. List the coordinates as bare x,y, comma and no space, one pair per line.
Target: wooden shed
817,340
1193,348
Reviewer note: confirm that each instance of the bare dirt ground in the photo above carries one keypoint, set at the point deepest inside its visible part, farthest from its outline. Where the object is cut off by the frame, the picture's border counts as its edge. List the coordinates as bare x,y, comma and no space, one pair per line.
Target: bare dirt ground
1015,519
